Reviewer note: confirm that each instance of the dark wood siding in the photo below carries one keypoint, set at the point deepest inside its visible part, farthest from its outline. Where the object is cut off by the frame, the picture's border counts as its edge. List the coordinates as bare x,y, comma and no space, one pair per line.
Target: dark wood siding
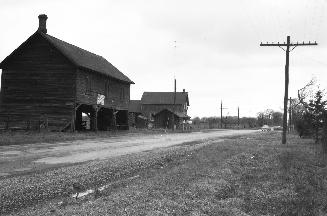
38,81
149,109
90,84
164,120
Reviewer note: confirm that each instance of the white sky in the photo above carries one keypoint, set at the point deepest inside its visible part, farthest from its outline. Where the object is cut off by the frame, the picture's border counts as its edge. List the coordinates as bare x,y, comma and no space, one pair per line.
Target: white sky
217,57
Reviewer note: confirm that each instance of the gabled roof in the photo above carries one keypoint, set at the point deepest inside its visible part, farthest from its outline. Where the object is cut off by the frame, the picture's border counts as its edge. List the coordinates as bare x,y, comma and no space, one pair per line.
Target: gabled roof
178,114
164,98
134,106
80,58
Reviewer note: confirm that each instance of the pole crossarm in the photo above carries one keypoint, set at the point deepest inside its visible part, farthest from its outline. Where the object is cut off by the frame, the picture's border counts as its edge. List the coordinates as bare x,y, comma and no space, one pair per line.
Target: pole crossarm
290,44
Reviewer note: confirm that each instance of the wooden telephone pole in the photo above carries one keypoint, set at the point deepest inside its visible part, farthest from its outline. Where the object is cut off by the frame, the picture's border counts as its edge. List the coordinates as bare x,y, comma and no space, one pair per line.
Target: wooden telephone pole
288,44
221,114
173,115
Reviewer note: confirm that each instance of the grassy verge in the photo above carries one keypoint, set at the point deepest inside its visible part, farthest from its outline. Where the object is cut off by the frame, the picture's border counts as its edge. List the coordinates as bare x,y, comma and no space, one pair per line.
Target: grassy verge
30,137
248,175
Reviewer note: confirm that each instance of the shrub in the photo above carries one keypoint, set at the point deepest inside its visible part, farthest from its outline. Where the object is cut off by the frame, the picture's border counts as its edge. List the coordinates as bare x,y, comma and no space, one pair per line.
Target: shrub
324,133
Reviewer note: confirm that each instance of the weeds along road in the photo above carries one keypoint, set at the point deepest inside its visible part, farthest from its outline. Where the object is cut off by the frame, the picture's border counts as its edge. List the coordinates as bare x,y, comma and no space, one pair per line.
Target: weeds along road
17,159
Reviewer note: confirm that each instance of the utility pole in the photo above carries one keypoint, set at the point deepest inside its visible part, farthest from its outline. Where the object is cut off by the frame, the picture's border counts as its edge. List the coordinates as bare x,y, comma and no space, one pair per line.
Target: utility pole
173,115
288,44
221,114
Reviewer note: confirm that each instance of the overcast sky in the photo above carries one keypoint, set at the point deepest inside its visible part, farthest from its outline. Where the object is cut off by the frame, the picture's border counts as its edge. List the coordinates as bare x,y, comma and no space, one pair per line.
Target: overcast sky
217,54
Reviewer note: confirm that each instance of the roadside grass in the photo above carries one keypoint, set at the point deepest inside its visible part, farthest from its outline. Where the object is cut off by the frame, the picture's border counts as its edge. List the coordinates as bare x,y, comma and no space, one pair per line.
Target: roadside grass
30,137
248,175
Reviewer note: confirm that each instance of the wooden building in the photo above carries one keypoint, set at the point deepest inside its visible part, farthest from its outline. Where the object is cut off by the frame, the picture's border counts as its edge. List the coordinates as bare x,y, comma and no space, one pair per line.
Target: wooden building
154,102
167,118
136,119
50,83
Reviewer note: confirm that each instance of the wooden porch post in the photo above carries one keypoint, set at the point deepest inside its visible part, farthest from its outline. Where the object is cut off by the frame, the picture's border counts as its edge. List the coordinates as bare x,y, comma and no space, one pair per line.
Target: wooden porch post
72,128
95,118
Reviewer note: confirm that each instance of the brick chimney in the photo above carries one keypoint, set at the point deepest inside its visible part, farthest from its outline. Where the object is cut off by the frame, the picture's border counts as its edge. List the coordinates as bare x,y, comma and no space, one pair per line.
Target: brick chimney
43,23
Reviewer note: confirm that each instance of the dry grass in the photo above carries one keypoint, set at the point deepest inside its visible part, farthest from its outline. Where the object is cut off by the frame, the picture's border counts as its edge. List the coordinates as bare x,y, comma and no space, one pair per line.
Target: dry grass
30,137
252,175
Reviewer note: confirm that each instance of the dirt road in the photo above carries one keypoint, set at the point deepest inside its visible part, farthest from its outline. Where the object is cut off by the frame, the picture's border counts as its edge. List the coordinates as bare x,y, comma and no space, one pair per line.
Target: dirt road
16,159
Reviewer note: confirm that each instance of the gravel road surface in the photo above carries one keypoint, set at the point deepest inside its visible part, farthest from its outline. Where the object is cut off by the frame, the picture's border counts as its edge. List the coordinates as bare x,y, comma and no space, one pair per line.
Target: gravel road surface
16,159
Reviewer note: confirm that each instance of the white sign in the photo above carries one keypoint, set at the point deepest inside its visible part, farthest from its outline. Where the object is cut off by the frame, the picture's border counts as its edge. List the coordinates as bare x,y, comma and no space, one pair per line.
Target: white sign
100,99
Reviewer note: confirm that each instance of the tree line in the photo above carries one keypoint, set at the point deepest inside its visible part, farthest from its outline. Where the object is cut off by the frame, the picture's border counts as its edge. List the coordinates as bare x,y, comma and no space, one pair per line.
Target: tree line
266,117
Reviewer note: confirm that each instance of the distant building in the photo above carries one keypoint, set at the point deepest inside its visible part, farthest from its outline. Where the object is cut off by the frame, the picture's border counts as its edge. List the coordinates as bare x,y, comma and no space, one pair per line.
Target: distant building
158,108
166,119
53,83
136,119
154,102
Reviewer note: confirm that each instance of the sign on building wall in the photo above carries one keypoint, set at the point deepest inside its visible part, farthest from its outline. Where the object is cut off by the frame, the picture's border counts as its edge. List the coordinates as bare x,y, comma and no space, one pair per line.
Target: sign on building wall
100,99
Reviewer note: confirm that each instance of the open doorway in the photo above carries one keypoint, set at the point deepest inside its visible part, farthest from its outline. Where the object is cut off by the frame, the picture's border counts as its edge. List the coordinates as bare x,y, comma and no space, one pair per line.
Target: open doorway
122,120
85,118
105,119
86,121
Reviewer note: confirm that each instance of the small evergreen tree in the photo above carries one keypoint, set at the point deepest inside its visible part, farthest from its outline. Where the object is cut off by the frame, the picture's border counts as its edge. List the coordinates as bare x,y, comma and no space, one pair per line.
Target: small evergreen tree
314,114
324,132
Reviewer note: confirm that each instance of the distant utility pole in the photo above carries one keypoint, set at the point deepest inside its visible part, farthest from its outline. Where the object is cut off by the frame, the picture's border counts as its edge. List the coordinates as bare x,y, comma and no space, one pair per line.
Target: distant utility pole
173,115
288,44
221,114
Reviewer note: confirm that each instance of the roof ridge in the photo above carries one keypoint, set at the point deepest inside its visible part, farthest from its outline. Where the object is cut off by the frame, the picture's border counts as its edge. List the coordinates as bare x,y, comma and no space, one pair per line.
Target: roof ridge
71,44
86,59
